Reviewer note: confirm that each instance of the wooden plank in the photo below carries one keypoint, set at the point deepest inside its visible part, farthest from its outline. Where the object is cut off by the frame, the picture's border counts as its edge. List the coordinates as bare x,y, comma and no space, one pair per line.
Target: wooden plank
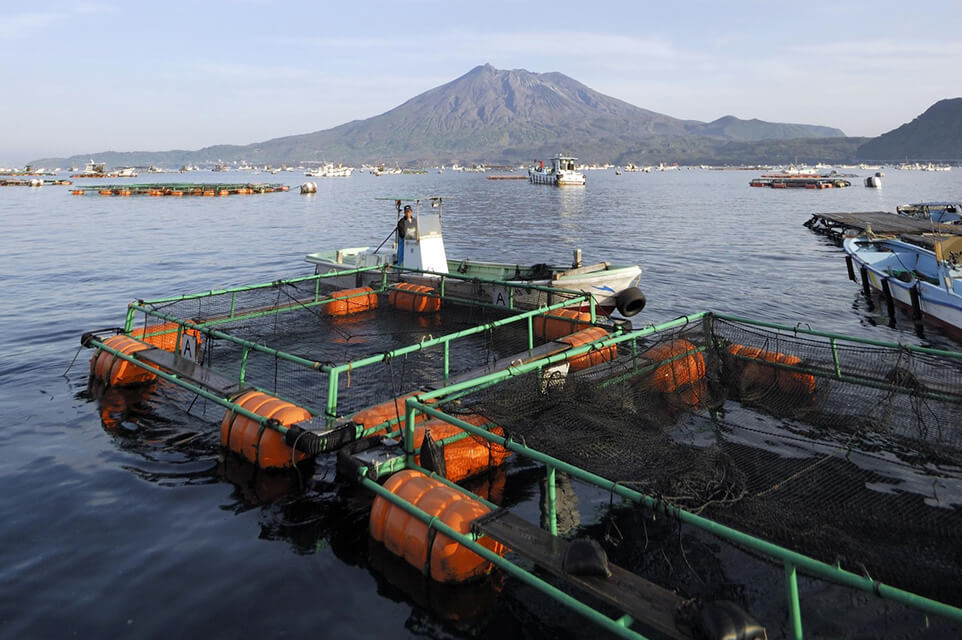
189,370
645,601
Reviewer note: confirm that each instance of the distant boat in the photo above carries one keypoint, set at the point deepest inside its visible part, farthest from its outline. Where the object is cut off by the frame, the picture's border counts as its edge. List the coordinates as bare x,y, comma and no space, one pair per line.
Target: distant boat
561,172
328,170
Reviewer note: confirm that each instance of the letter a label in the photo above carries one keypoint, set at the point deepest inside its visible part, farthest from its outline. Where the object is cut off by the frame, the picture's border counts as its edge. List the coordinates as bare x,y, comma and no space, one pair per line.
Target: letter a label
188,347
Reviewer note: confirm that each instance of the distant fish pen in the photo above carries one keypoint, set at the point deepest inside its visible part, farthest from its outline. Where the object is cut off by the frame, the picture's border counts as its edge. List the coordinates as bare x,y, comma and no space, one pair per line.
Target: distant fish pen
792,181
807,452
208,189
32,182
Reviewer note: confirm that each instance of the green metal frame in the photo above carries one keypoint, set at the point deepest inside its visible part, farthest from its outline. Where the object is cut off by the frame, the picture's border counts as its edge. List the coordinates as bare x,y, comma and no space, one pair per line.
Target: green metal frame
792,561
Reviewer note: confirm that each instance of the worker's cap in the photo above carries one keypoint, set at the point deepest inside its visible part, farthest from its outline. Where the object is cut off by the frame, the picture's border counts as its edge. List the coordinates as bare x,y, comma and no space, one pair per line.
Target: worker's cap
407,208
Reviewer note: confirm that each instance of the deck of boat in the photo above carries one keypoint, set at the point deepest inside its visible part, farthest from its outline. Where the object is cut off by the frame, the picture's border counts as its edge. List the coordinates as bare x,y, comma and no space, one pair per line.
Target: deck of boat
835,225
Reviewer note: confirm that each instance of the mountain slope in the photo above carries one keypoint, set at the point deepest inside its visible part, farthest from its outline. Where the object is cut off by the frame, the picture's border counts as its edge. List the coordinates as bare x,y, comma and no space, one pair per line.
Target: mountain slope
496,116
934,135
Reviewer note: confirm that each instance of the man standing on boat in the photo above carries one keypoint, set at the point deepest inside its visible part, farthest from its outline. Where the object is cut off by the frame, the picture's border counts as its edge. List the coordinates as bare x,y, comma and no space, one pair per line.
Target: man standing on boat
406,228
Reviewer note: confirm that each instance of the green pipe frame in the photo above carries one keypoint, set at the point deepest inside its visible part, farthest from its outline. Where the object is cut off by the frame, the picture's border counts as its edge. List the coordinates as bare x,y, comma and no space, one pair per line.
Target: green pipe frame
619,627
791,559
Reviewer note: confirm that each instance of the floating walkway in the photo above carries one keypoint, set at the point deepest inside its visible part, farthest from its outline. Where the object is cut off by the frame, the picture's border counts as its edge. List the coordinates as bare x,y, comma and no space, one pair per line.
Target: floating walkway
837,225
180,189
765,437
32,182
793,181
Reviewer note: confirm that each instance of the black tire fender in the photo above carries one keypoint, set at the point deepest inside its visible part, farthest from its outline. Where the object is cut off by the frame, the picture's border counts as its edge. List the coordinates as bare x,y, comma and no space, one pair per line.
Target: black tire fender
630,301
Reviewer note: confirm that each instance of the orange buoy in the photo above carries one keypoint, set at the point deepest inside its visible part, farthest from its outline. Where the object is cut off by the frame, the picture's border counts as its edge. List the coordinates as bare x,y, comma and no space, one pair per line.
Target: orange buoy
438,556
261,445
759,374
416,298
209,193
106,192
348,301
385,412
163,336
78,192
681,370
116,371
176,193
224,192
466,457
561,322
593,357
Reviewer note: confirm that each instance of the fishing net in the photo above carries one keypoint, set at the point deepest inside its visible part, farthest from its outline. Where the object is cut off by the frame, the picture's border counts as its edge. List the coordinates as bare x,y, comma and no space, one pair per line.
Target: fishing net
281,338
844,451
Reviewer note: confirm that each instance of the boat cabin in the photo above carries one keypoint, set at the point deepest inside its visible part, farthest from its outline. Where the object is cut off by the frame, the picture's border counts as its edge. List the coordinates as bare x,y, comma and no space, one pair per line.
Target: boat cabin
562,163
425,251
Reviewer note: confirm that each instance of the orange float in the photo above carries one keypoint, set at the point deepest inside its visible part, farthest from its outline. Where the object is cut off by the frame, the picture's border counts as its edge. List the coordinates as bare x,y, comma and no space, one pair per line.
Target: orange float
417,298
385,412
593,357
466,457
438,556
163,336
561,322
261,445
350,301
116,371
683,365
755,370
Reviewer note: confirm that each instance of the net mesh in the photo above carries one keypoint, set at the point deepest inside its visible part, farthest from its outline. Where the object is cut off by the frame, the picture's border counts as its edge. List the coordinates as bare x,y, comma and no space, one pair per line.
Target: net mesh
846,452
291,318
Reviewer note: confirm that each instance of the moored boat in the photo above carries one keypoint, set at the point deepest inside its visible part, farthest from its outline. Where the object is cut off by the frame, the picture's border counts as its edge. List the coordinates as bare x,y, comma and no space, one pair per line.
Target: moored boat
938,212
421,258
924,275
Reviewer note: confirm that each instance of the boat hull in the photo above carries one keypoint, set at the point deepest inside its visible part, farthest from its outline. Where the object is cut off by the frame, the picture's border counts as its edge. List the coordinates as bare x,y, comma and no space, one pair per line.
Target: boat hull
903,269
492,282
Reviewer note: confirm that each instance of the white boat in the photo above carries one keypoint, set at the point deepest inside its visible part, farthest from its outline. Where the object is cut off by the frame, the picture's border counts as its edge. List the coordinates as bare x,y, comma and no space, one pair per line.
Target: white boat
328,170
924,275
561,172
873,182
423,260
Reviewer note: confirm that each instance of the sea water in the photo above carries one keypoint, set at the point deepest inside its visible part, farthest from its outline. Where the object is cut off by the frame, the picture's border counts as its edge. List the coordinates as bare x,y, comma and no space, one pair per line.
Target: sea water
138,528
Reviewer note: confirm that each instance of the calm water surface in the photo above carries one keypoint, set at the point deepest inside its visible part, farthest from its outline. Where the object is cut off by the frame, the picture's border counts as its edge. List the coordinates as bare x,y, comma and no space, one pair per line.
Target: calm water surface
138,529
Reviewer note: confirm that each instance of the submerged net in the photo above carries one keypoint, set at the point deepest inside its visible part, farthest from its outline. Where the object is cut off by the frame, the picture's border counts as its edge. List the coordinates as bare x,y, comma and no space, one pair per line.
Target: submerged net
847,452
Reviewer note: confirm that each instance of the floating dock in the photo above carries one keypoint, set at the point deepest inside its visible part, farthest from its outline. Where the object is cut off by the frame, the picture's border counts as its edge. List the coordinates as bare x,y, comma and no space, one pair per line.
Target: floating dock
180,189
32,182
837,225
792,181
507,177
763,436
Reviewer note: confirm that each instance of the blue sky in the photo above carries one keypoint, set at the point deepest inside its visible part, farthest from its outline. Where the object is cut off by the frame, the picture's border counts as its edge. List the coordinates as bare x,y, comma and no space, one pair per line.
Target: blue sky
82,77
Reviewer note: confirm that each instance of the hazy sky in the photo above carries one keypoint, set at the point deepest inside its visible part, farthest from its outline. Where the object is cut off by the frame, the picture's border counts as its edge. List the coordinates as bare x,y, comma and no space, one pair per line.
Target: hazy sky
82,77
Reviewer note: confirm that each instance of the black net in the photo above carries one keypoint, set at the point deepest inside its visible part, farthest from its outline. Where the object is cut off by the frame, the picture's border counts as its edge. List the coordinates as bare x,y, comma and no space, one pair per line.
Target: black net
263,326
846,452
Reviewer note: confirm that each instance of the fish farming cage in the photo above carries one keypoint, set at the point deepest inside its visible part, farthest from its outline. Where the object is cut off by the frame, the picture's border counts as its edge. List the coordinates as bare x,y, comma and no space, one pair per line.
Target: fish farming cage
335,352
841,454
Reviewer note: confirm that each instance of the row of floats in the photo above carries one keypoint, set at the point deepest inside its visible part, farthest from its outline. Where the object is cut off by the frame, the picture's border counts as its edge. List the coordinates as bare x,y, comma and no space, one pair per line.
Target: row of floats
179,190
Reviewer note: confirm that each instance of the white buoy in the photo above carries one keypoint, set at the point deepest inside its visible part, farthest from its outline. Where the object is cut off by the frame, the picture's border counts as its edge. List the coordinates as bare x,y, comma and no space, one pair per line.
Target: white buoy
309,187
36,182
